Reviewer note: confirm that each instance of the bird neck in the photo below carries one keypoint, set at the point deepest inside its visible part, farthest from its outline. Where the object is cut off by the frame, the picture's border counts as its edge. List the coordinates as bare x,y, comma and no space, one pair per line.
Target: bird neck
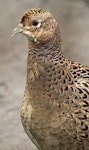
43,55
48,49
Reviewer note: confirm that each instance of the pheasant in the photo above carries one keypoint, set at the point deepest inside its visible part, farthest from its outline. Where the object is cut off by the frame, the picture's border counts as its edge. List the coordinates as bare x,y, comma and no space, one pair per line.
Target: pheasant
55,107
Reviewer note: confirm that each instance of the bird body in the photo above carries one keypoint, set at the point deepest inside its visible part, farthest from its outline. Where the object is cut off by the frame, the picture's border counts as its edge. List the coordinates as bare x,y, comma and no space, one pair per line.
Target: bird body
55,108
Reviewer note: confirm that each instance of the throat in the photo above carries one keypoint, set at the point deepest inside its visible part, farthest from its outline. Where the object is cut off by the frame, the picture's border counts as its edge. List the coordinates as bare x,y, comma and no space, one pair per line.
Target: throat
45,50
42,56
47,71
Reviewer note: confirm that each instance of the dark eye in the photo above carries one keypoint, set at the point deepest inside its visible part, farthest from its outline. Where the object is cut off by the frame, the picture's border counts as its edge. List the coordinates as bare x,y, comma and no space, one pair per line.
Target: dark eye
35,23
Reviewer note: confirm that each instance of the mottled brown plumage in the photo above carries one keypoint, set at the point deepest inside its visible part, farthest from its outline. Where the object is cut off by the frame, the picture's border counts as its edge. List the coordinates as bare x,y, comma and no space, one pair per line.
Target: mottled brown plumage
55,108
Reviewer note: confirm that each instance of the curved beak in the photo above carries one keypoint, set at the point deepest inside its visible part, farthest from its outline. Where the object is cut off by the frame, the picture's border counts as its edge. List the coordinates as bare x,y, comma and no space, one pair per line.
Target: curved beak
18,29
21,29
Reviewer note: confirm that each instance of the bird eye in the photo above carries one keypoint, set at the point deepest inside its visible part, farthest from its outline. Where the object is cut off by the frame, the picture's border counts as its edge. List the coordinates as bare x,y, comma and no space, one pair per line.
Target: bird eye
35,23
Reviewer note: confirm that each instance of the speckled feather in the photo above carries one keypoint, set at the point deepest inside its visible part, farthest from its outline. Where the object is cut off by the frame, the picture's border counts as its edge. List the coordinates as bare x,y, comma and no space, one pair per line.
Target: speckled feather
55,108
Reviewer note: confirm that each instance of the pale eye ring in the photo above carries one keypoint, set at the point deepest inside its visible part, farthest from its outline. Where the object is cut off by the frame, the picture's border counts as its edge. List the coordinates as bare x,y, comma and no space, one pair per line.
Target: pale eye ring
36,24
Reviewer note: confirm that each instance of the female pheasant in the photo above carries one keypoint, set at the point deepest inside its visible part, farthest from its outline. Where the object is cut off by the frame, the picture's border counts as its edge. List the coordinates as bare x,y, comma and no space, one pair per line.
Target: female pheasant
55,108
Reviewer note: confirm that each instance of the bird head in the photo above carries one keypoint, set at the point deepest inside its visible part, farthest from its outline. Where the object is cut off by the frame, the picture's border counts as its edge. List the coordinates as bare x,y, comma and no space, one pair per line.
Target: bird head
37,25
